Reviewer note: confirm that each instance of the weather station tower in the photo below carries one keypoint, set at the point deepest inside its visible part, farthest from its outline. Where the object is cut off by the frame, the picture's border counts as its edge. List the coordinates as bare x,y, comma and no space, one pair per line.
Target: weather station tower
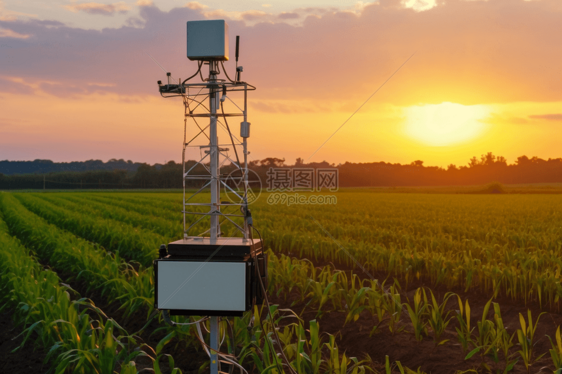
217,269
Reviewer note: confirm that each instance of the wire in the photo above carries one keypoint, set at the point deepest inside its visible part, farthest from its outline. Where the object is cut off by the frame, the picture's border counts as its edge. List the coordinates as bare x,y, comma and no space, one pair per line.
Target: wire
269,308
199,64
235,82
169,321
231,138
201,74
225,73
224,356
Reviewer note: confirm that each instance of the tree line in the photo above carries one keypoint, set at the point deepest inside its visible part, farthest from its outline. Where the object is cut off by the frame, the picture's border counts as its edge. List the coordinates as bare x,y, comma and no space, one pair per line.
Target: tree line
488,168
47,166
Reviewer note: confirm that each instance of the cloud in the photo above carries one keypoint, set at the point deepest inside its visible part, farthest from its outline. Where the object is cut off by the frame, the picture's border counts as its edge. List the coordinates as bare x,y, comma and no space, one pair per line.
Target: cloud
16,86
548,117
10,15
195,5
98,8
252,15
7,33
419,5
469,52
288,15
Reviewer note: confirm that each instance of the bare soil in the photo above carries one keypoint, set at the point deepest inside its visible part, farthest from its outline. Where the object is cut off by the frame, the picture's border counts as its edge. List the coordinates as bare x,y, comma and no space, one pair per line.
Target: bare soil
28,359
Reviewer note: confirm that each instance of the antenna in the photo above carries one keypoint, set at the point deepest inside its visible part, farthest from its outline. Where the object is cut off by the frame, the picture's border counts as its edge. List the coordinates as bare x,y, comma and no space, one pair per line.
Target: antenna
210,274
238,69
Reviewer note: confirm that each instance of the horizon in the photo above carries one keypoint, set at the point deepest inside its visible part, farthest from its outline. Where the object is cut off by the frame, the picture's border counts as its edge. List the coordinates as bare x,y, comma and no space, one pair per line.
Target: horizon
481,76
286,162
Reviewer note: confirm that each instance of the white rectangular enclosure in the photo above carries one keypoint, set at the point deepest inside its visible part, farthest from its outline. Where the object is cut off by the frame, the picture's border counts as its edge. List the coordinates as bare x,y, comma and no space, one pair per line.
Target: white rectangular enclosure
207,40
202,286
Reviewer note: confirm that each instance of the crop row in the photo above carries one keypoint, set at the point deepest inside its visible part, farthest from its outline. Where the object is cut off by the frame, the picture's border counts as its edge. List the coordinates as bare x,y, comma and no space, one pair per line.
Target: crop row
513,248
115,236
490,340
118,280
328,289
78,336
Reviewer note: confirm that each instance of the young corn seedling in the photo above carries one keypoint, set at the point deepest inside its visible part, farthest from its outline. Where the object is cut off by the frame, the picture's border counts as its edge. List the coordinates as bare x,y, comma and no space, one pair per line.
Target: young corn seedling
438,319
392,303
464,332
503,340
315,347
376,304
525,336
357,304
417,314
485,337
556,352
342,364
320,295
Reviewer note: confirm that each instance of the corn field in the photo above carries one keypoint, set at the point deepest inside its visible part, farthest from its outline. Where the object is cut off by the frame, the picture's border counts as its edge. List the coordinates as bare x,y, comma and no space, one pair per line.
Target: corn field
379,283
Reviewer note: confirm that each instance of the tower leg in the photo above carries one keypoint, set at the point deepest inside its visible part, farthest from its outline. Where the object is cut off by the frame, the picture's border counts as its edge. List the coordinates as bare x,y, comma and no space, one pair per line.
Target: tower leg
214,343
214,154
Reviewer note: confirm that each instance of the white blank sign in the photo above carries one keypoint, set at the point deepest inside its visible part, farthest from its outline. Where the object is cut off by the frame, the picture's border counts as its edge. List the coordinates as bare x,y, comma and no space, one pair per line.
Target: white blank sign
191,285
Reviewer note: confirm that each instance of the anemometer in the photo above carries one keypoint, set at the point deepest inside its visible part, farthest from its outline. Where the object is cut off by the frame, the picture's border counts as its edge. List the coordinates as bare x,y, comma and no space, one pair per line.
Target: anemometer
206,273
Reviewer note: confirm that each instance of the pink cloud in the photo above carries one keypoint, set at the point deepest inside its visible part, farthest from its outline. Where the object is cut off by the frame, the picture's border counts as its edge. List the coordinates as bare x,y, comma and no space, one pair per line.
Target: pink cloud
467,51
99,8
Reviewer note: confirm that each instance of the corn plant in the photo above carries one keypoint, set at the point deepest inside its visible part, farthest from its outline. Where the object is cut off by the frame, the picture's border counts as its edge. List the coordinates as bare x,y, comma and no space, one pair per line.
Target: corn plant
358,303
392,303
525,335
320,294
337,364
77,340
485,336
503,341
556,352
464,332
417,314
438,318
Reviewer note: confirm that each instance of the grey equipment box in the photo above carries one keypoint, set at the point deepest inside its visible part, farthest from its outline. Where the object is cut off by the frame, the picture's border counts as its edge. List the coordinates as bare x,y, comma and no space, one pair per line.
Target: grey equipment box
203,279
207,40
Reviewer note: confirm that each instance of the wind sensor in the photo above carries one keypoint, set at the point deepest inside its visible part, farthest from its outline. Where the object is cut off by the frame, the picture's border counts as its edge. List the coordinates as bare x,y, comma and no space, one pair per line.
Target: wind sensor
217,268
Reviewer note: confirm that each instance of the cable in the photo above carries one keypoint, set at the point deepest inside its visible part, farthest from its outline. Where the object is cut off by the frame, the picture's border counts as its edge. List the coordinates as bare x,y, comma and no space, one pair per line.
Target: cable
225,73
201,74
269,307
199,64
169,321
231,138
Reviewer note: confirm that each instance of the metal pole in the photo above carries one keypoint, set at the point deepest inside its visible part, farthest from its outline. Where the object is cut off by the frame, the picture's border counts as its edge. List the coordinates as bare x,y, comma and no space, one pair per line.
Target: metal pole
183,163
214,344
214,153
245,149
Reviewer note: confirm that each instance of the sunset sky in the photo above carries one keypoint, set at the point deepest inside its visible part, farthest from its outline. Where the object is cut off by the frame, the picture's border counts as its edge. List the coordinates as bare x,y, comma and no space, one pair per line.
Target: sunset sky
77,82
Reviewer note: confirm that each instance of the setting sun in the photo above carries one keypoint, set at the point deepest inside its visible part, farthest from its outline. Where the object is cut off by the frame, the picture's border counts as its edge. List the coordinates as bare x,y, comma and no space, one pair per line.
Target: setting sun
446,123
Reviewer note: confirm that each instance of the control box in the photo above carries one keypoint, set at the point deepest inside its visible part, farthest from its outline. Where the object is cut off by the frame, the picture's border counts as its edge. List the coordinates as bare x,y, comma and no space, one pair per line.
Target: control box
198,278
207,40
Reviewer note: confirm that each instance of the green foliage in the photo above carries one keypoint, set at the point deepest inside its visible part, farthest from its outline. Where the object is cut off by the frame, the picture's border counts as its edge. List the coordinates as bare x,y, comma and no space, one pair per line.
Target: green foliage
106,239
526,335
417,314
79,337
556,352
